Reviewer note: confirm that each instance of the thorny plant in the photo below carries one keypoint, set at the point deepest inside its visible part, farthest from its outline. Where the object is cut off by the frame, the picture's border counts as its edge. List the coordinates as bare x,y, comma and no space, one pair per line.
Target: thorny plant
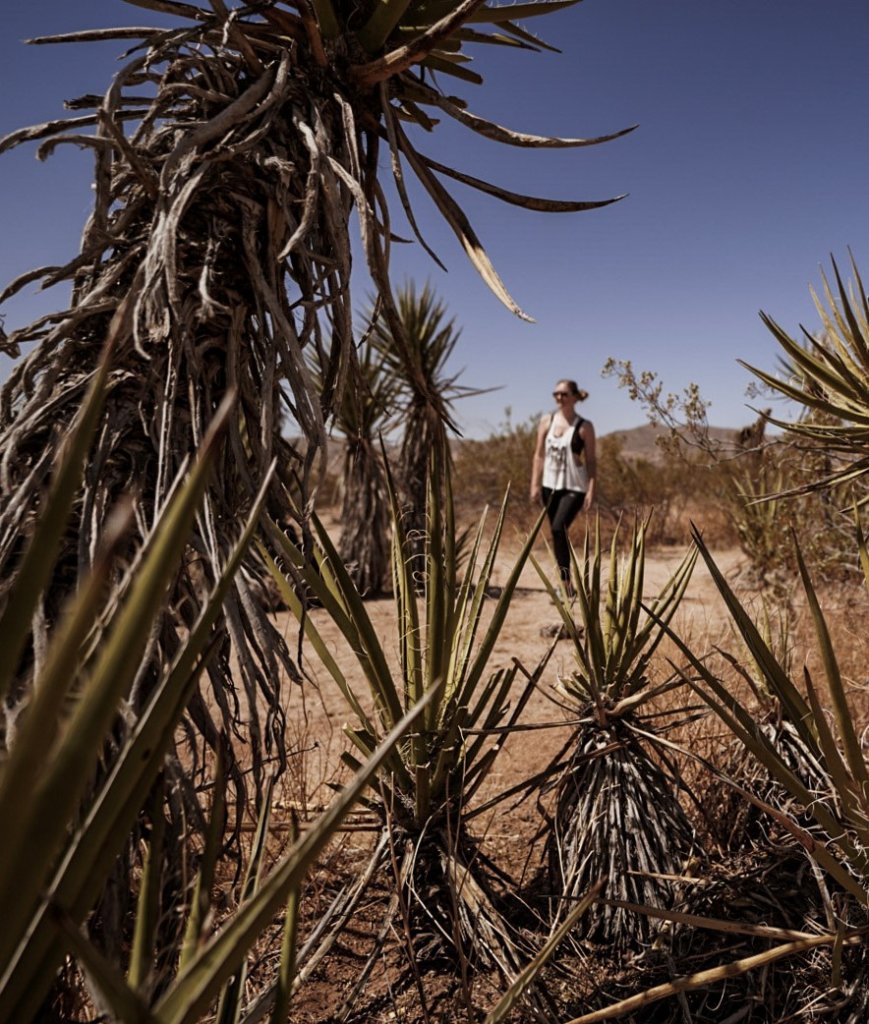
441,876
230,151
63,831
617,812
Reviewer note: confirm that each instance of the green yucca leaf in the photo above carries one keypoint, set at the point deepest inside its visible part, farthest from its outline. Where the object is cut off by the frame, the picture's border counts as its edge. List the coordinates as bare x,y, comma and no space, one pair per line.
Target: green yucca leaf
841,710
439,586
229,1008
794,705
471,597
148,904
124,1003
525,36
838,869
312,634
384,18
201,898
38,731
744,725
829,377
41,553
516,12
333,587
55,797
509,999
327,19
359,628
452,65
94,846
365,741
287,967
855,332
195,988
484,650
851,798
620,634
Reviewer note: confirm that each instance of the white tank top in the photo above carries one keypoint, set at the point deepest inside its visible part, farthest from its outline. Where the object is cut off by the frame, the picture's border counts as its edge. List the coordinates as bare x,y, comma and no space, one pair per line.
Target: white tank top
561,469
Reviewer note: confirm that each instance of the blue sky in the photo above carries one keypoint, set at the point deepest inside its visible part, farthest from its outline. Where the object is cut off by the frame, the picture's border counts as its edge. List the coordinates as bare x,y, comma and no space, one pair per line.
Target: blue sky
747,171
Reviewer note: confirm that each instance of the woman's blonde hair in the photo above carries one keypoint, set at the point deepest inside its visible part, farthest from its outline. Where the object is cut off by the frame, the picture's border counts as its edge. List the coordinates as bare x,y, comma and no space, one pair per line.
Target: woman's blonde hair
580,393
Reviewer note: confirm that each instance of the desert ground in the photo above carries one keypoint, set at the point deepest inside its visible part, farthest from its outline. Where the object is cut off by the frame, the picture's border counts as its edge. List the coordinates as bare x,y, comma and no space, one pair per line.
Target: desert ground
510,832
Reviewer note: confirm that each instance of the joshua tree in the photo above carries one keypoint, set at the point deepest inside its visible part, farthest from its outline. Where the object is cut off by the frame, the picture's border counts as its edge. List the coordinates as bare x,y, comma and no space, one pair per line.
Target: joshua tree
417,358
230,151
361,414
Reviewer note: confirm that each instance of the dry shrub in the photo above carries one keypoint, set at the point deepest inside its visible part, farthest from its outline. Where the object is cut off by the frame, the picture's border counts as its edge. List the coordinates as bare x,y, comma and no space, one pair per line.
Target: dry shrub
483,470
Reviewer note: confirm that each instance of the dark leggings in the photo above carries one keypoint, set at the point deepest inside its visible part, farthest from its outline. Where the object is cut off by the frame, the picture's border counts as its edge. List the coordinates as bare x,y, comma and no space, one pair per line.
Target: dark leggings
562,507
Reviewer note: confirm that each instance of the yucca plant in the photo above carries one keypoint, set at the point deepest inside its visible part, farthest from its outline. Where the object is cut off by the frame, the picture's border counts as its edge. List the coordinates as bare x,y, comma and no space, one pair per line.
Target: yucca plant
617,813
362,414
66,821
829,377
840,808
231,150
816,788
444,640
426,391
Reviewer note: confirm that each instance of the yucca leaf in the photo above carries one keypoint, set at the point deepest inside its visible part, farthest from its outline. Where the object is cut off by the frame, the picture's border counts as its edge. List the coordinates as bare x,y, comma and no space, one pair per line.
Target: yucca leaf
850,798
192,992
201,899
294,604
57,794
461,226
509,999
385,16
124,1003
517,12
452,65
484,651
94,846
36,736
333,587
745,727
287,967
841,709
229,1008
792,701
41,553
148,904
327,19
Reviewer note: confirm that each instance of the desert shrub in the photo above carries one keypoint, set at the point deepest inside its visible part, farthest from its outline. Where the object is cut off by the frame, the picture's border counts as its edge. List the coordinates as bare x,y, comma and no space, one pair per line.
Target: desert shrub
483,470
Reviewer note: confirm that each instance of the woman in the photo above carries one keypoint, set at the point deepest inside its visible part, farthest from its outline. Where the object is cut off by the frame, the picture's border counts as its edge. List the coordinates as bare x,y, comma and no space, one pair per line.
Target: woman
563,470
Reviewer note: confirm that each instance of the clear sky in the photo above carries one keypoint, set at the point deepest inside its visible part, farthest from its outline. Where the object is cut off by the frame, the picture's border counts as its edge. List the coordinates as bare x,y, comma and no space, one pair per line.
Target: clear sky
748,169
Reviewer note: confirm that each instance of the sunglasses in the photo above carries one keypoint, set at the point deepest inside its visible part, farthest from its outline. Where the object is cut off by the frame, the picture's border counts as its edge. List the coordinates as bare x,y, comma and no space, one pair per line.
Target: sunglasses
561,394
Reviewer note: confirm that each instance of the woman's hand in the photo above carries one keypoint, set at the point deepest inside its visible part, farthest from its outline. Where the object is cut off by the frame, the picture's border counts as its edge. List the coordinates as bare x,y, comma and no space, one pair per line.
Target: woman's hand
535,494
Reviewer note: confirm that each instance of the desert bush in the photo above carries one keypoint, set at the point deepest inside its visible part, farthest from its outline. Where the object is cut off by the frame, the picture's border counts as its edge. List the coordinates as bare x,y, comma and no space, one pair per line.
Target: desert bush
484,470
618,814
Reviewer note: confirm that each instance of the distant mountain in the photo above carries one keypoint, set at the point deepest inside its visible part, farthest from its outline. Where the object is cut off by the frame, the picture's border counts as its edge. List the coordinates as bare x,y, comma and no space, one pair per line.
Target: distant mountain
642,442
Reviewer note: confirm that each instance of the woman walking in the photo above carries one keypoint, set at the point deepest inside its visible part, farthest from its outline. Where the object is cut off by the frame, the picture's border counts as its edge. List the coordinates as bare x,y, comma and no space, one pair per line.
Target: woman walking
563,469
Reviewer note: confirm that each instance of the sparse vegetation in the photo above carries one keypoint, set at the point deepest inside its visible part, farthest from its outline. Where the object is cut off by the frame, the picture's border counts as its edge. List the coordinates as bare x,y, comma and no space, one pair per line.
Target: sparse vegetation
152,871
